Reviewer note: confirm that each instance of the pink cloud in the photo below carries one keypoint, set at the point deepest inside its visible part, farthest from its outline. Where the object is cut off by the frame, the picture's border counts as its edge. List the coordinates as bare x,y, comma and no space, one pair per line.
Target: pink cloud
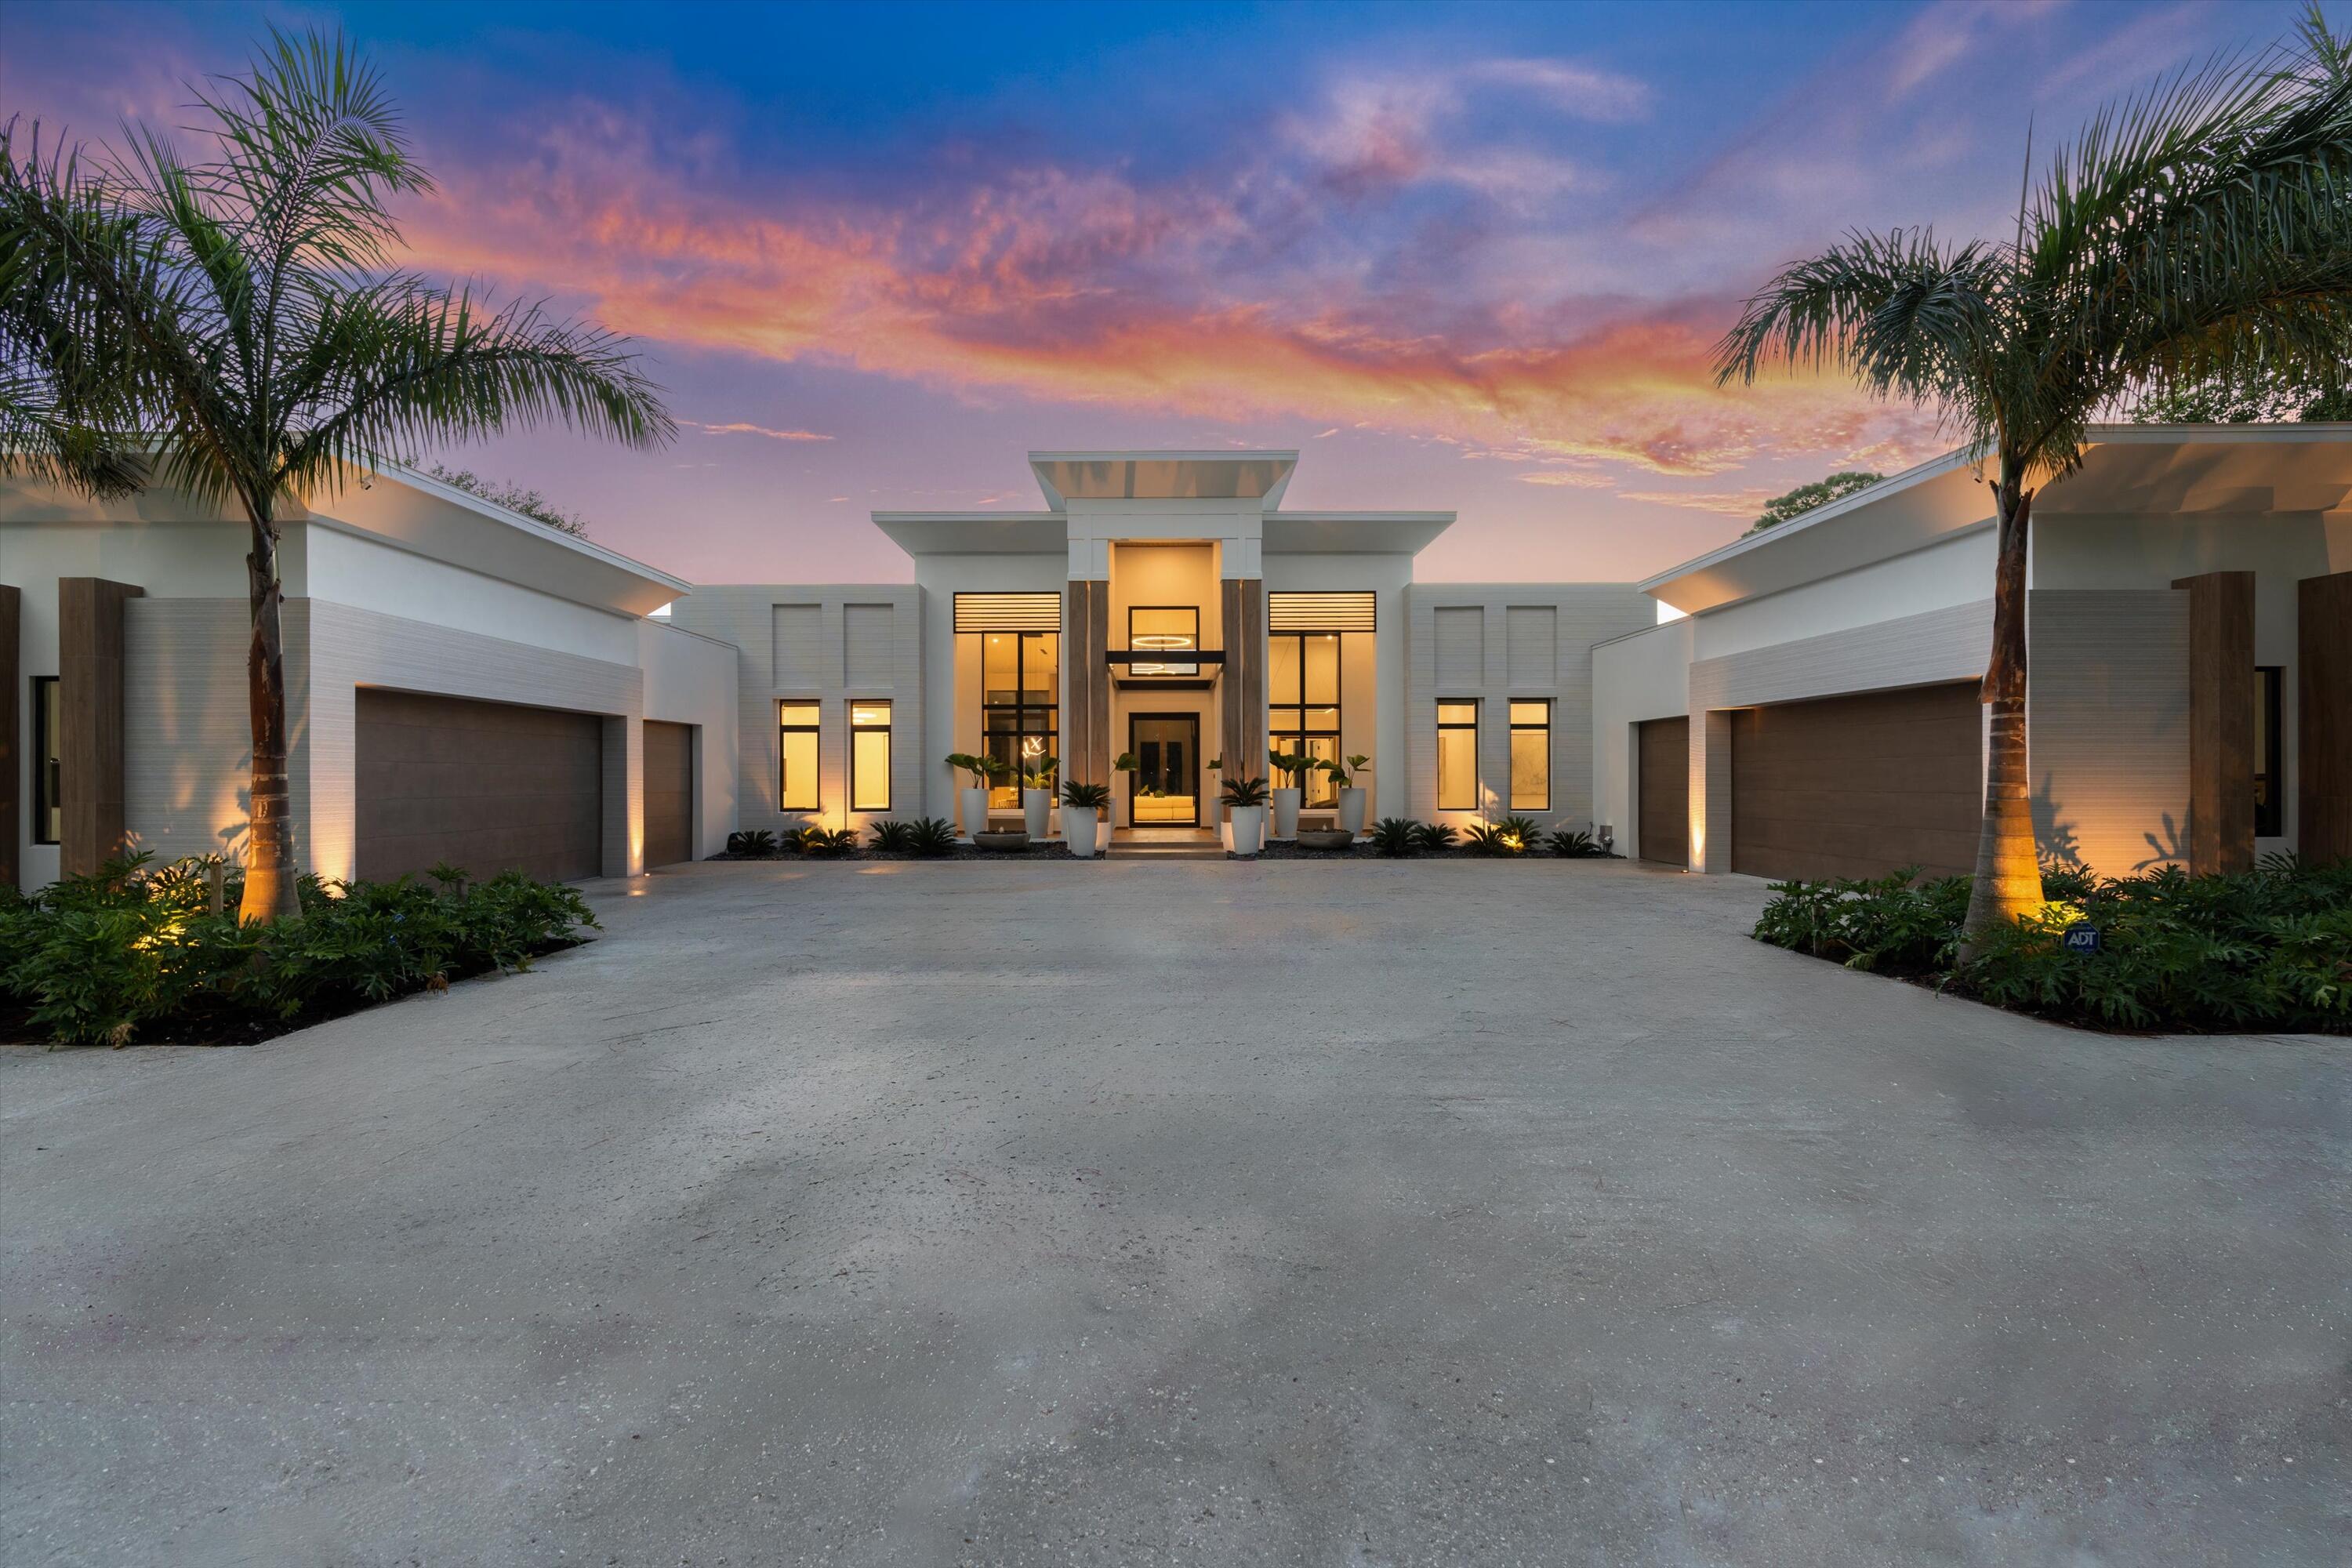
740,429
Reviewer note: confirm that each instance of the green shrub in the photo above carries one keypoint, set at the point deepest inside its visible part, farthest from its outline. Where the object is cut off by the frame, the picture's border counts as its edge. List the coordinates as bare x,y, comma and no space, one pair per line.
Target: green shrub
1575,843
833,841
930,836
1495,837
754,841
1395,836
892,837
99,959
2267,949
1432,837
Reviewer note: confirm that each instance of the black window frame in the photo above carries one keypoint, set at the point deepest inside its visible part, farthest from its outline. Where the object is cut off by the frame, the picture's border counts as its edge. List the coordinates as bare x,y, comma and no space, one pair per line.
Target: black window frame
1511,722
890,750
2270,803
816,800
1299,733
48,766
1170,669
1474,706
1019,708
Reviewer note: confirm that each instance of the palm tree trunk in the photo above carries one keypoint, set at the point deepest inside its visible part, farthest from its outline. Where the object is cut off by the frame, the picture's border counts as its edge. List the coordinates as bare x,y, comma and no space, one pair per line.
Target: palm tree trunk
270,889
2008,880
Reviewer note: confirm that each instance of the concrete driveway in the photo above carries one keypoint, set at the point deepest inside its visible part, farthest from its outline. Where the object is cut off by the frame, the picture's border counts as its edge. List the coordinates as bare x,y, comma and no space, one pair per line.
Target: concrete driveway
1192,1213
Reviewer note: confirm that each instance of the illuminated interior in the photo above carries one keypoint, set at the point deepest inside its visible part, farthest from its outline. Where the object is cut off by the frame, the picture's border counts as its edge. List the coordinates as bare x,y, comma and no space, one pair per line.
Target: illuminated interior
1021,675
796,776
1302,686
1166,785
1458,756
1531,757
869,756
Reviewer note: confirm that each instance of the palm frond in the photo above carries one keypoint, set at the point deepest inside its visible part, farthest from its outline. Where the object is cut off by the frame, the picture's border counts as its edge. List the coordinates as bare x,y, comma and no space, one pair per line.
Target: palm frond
1913,318
401,365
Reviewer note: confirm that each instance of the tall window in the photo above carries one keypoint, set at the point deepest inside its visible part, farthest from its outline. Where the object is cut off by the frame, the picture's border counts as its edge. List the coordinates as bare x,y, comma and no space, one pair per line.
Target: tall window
869,756
1458,756
1302,685
2270,793
1021,679
796,749
1167,629
1531,757
48,764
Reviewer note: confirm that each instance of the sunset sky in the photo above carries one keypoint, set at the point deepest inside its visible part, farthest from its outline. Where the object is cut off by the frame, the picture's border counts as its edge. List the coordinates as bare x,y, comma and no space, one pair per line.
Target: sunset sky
1462,257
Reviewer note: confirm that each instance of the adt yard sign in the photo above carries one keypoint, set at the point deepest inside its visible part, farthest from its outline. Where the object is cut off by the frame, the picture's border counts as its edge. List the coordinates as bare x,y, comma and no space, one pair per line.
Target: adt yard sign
2082,937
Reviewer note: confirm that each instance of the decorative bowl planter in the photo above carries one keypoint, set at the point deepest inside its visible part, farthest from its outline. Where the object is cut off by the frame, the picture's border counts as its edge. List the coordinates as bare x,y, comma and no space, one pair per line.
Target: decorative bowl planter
1013,839
1326,838
1036,807
1080,828
1248,826
1351,808
975,811
1286,813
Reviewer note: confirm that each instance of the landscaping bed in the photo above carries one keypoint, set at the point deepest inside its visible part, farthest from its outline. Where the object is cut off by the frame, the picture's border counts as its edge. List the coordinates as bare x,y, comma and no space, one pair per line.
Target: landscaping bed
134,956
2267,950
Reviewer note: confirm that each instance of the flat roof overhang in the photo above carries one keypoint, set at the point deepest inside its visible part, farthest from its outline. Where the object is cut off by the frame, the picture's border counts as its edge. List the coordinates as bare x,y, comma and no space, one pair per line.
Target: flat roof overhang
976,532
2167,469
1066,477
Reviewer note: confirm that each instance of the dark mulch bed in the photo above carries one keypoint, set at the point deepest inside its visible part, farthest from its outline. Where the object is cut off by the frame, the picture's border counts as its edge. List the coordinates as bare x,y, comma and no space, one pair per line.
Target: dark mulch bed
17,1028
1051,850
1286,851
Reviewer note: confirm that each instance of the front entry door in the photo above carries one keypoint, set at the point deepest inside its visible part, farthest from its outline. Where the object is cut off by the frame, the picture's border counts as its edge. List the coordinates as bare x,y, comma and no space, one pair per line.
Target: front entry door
1166,783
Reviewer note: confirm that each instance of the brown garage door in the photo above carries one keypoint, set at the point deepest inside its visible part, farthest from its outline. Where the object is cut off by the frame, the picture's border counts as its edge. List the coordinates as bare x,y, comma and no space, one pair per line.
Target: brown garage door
669,792
1855,786
485,786
1664,778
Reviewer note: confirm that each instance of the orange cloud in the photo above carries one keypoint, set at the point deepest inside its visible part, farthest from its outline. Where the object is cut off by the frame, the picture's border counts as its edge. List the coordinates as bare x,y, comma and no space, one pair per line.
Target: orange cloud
740,429
1083,289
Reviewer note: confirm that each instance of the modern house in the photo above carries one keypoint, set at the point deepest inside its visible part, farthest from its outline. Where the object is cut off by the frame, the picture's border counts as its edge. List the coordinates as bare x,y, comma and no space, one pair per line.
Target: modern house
467,685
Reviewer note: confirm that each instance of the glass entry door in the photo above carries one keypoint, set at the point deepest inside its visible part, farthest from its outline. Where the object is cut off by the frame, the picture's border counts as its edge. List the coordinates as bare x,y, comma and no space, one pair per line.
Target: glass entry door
1166,785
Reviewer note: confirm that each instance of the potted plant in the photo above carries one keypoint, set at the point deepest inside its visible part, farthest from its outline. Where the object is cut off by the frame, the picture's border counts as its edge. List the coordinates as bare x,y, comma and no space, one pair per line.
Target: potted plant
1082,809
1037,794
972,799
1351,798
1297,764
1246,797
1125,763
1225,816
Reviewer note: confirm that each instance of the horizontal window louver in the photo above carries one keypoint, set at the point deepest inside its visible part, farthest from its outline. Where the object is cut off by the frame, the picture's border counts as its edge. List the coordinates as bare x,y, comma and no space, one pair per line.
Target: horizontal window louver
1008,612
1319,612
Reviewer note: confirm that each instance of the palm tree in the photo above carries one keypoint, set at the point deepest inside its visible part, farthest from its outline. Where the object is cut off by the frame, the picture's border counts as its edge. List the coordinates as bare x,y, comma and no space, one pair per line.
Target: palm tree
2201,230
244,319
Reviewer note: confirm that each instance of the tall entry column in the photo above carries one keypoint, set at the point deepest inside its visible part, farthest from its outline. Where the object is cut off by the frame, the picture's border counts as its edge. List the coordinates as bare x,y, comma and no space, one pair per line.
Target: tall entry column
1242,689
1086,681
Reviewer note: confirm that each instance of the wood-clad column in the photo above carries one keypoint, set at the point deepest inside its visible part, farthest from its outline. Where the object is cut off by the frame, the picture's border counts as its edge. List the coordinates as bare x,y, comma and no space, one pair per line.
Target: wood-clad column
2322,680
2220,721
1241,701
90,710
1085,682
12,747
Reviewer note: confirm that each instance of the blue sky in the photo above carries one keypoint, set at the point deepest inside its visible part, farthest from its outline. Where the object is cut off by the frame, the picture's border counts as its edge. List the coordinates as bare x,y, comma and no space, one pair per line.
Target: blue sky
1466,257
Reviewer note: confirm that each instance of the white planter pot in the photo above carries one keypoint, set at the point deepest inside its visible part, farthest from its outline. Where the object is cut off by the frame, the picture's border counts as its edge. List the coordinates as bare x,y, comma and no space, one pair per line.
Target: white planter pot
1286,813
1080,827
1036,810
1226,830
1248,826
1351,809
975,810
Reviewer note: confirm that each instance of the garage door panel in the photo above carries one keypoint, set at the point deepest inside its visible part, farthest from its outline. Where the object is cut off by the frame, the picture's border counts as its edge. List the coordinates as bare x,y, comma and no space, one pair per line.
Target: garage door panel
669,792
1663,779
1856,787
484,786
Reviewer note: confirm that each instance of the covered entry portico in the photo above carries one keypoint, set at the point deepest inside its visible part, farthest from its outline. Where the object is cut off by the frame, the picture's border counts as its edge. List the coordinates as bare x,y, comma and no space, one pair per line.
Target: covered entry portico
1133,620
